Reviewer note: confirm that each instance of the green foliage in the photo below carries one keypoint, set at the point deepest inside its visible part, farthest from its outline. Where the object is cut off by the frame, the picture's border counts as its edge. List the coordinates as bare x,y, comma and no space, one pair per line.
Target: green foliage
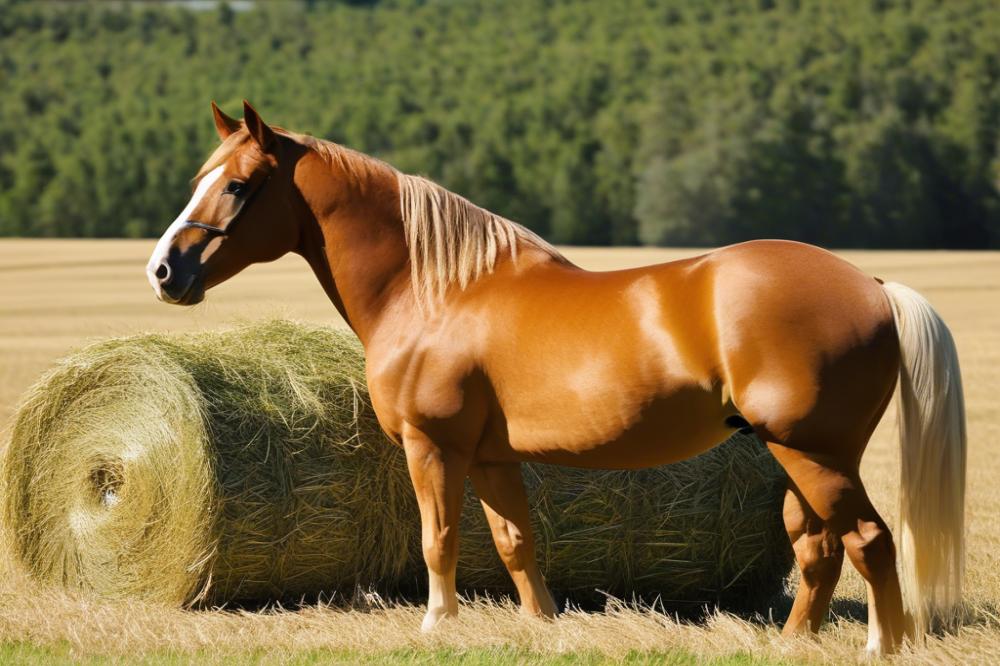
844,124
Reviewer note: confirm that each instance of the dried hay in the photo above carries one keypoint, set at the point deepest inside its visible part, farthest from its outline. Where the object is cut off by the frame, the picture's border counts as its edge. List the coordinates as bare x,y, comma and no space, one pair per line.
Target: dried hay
248,465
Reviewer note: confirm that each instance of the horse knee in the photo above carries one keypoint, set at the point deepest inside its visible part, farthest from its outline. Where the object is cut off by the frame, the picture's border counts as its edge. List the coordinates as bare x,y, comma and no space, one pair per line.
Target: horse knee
872,551
440,550
510,545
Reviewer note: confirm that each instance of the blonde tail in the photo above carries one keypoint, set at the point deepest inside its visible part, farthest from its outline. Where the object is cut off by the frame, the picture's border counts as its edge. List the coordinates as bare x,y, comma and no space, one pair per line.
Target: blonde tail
932,439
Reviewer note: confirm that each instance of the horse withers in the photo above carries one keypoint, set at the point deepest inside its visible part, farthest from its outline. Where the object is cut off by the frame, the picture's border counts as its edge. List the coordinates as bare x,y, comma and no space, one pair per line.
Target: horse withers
487,348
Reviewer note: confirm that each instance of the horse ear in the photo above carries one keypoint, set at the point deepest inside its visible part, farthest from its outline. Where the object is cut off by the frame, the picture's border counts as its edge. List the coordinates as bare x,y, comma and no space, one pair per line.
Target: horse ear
259,130
224,125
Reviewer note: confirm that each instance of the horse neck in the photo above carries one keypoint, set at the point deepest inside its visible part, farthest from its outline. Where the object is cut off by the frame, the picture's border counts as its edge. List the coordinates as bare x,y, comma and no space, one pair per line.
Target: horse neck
354,242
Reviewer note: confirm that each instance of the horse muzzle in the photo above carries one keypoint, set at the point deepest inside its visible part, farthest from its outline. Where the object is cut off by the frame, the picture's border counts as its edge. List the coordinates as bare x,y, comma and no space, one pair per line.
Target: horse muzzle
175,280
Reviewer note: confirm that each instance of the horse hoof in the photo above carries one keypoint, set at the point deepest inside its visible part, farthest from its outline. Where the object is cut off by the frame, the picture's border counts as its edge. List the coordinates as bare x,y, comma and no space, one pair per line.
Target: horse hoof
434,617
877,650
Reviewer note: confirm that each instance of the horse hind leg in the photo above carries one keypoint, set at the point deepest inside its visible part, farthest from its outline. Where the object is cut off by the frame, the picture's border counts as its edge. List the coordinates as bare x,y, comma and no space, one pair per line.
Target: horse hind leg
819,553
873,553
838,497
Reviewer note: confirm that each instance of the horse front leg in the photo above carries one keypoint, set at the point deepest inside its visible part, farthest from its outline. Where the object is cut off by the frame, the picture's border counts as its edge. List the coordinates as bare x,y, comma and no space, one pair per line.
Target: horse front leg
501,490
438,476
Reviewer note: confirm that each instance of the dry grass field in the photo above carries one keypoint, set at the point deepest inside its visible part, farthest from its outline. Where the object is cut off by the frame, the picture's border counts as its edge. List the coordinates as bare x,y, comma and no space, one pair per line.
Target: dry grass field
56,295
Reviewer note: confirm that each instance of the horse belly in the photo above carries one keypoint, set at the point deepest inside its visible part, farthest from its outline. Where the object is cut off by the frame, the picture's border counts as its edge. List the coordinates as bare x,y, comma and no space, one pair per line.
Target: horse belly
615,430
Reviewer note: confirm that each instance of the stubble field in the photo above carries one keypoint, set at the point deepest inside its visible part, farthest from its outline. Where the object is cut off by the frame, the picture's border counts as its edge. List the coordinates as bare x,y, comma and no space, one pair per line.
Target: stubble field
58,295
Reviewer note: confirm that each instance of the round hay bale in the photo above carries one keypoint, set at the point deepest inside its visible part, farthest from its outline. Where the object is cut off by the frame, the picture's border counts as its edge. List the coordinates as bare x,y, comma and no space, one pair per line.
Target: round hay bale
248,465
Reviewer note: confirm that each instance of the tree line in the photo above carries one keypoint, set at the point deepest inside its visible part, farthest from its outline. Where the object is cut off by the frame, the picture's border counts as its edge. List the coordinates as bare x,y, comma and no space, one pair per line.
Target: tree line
868,123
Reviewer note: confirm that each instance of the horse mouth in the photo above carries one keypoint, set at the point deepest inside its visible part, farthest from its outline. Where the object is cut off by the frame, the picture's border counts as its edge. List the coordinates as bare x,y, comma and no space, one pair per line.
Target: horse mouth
192,294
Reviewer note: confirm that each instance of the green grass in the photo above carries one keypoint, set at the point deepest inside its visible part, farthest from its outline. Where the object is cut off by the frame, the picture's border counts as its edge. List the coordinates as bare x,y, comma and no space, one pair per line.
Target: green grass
54,655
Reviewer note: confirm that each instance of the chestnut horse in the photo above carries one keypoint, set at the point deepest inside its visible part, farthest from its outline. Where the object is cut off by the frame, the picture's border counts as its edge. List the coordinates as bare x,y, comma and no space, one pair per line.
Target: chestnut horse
486,348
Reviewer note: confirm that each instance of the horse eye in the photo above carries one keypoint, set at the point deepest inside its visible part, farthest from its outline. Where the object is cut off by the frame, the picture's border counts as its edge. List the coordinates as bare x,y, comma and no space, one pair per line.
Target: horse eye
235,187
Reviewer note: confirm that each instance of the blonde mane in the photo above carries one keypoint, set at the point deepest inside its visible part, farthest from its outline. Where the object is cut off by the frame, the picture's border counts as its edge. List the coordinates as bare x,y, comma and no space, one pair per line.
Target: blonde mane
450,239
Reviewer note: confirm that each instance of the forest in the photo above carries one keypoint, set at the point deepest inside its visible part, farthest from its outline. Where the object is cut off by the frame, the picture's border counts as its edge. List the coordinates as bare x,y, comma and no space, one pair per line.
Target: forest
864,123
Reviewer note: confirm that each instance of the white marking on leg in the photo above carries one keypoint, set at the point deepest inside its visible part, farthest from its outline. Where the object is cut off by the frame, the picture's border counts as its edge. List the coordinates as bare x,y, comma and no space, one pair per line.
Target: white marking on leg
874,647
163,245
442,600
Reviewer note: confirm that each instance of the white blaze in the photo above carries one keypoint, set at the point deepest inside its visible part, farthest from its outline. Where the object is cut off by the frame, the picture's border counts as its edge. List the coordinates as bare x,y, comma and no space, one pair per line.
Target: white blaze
163,246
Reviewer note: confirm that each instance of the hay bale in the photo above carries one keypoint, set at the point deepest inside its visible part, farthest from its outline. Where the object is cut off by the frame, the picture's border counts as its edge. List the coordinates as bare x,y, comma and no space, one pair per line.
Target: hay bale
704,531
248,465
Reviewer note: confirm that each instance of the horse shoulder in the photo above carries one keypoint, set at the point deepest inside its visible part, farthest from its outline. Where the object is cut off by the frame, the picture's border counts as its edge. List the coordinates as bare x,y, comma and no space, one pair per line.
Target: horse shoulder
427,376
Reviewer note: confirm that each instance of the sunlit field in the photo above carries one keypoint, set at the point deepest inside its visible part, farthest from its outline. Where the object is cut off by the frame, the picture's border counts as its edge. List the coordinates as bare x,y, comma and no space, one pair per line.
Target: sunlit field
58,295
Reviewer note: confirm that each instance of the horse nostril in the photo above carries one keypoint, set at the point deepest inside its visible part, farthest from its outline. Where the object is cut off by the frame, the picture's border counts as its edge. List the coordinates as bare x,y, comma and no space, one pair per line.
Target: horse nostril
163,273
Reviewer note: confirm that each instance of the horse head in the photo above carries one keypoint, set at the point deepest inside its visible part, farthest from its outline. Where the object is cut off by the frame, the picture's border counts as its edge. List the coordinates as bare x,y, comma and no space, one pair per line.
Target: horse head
244,210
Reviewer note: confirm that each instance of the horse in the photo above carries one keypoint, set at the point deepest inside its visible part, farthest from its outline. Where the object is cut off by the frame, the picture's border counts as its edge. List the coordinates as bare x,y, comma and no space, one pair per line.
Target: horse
485,348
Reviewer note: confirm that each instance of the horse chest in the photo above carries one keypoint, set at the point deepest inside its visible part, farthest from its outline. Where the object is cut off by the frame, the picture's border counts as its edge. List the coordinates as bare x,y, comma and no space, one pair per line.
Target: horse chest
422,388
